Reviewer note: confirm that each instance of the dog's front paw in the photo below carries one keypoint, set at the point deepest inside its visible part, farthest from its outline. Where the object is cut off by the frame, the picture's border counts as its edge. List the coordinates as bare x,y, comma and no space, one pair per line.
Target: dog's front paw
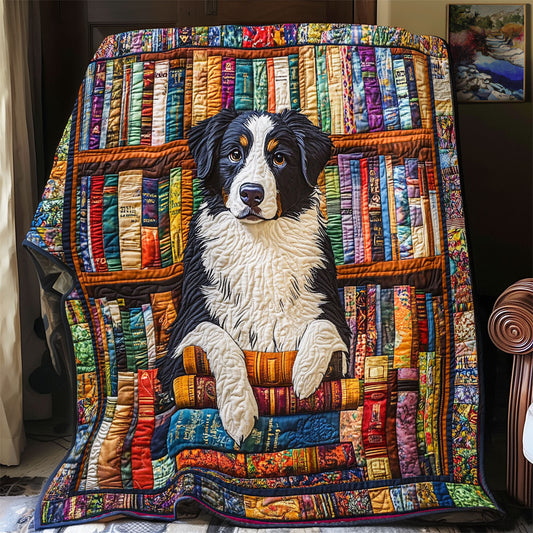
316,347
238,411
304,381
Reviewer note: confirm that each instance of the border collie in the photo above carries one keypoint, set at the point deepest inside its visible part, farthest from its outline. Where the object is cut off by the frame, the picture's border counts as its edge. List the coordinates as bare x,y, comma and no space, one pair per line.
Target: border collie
259,272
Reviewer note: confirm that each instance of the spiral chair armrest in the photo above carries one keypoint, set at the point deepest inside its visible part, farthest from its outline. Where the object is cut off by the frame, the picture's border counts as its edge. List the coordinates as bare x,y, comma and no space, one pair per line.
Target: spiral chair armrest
511,321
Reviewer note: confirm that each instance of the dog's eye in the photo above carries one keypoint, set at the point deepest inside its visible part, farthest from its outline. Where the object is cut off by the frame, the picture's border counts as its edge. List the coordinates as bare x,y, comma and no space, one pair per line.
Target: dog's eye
235,156
279,159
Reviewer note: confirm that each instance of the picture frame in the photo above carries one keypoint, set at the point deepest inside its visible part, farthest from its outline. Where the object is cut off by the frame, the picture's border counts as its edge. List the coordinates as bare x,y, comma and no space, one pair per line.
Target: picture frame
487,44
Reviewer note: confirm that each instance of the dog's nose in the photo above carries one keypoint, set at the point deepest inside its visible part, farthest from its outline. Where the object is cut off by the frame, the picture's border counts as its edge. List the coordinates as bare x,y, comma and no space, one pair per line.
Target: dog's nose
252,194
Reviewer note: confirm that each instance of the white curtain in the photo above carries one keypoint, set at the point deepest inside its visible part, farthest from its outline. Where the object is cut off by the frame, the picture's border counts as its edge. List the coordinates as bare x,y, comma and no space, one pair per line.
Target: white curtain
19,293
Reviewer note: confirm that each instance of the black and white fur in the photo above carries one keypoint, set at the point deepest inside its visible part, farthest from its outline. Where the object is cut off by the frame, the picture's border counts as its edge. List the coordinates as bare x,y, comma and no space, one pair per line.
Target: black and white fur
259,272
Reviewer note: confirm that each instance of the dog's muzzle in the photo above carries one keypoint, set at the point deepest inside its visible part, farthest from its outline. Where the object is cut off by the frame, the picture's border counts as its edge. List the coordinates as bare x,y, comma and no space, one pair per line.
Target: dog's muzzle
252,194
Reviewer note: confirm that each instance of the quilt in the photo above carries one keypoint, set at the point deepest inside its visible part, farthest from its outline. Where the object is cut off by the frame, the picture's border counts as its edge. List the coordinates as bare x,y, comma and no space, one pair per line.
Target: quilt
323,371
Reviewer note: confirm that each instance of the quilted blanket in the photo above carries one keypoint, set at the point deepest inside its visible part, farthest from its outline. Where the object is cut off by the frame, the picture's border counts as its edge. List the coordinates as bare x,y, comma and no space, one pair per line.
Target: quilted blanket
333,375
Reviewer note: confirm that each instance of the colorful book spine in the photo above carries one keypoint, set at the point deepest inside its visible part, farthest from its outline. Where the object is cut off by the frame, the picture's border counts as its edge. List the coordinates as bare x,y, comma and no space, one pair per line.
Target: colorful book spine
141,462
244,84
282,83
96,223
130,215
387,323
403,219
151,257
160,102
136,104
214,86
350,310
375,418
345,183
358,91
375,210
395,246
199,392
163,306
294,81
107,103
125,321
402,92
322,89
115,110
260,84
347,95
150,334
389,101
192,428
199,86
410,76
180,95
371,327
147,103
334,221
265,369
406,422
171,129
365,214
271,80
415,207
174,211
403,325
358,237
426,210
83,232
434,206
385,213
372,92
228,82
125,100
88,85
291,462
118,333
97,105
308,83
165,244
334,76
187,102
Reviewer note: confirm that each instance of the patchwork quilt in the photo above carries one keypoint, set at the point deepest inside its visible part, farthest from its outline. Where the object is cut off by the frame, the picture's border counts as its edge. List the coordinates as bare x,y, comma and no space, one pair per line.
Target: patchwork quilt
391,429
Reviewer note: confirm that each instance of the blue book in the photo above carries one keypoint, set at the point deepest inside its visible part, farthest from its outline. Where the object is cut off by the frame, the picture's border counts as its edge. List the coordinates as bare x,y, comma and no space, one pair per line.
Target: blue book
202,428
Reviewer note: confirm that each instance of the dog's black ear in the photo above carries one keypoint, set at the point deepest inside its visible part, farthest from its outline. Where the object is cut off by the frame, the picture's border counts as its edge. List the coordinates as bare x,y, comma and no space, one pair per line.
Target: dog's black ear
315,145
205,138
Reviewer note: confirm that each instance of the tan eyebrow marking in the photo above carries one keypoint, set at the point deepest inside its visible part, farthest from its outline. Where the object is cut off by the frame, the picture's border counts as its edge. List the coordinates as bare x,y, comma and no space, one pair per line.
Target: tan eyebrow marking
272,144
243,140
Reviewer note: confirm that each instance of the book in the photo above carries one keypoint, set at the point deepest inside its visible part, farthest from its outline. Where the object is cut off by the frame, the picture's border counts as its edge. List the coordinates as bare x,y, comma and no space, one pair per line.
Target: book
110,226
291,462
147,103
199,392
202,428
151,257
265,369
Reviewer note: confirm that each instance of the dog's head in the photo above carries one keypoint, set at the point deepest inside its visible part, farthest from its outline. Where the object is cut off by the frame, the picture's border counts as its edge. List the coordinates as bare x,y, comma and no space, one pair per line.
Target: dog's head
259,165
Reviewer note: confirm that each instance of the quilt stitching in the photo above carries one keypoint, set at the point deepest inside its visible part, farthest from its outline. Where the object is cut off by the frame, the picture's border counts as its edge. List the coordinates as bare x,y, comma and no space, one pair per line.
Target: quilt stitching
400,433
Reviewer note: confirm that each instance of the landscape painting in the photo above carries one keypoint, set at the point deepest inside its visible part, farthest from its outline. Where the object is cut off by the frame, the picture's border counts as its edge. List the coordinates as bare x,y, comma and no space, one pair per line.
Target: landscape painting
487,46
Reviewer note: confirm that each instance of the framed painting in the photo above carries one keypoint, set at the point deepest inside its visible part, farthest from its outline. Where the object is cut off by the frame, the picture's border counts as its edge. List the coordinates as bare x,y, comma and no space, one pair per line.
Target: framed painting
487,47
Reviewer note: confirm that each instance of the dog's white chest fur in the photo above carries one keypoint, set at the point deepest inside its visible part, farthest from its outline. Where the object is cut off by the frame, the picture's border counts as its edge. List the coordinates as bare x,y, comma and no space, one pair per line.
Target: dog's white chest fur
260,277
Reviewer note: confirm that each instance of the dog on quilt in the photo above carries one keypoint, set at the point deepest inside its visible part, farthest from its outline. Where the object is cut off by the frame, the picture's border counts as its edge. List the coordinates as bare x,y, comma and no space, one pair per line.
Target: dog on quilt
259,272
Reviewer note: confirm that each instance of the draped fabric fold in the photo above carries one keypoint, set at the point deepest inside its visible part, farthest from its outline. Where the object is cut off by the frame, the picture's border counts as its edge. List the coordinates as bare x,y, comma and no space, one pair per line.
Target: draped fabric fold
18,283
